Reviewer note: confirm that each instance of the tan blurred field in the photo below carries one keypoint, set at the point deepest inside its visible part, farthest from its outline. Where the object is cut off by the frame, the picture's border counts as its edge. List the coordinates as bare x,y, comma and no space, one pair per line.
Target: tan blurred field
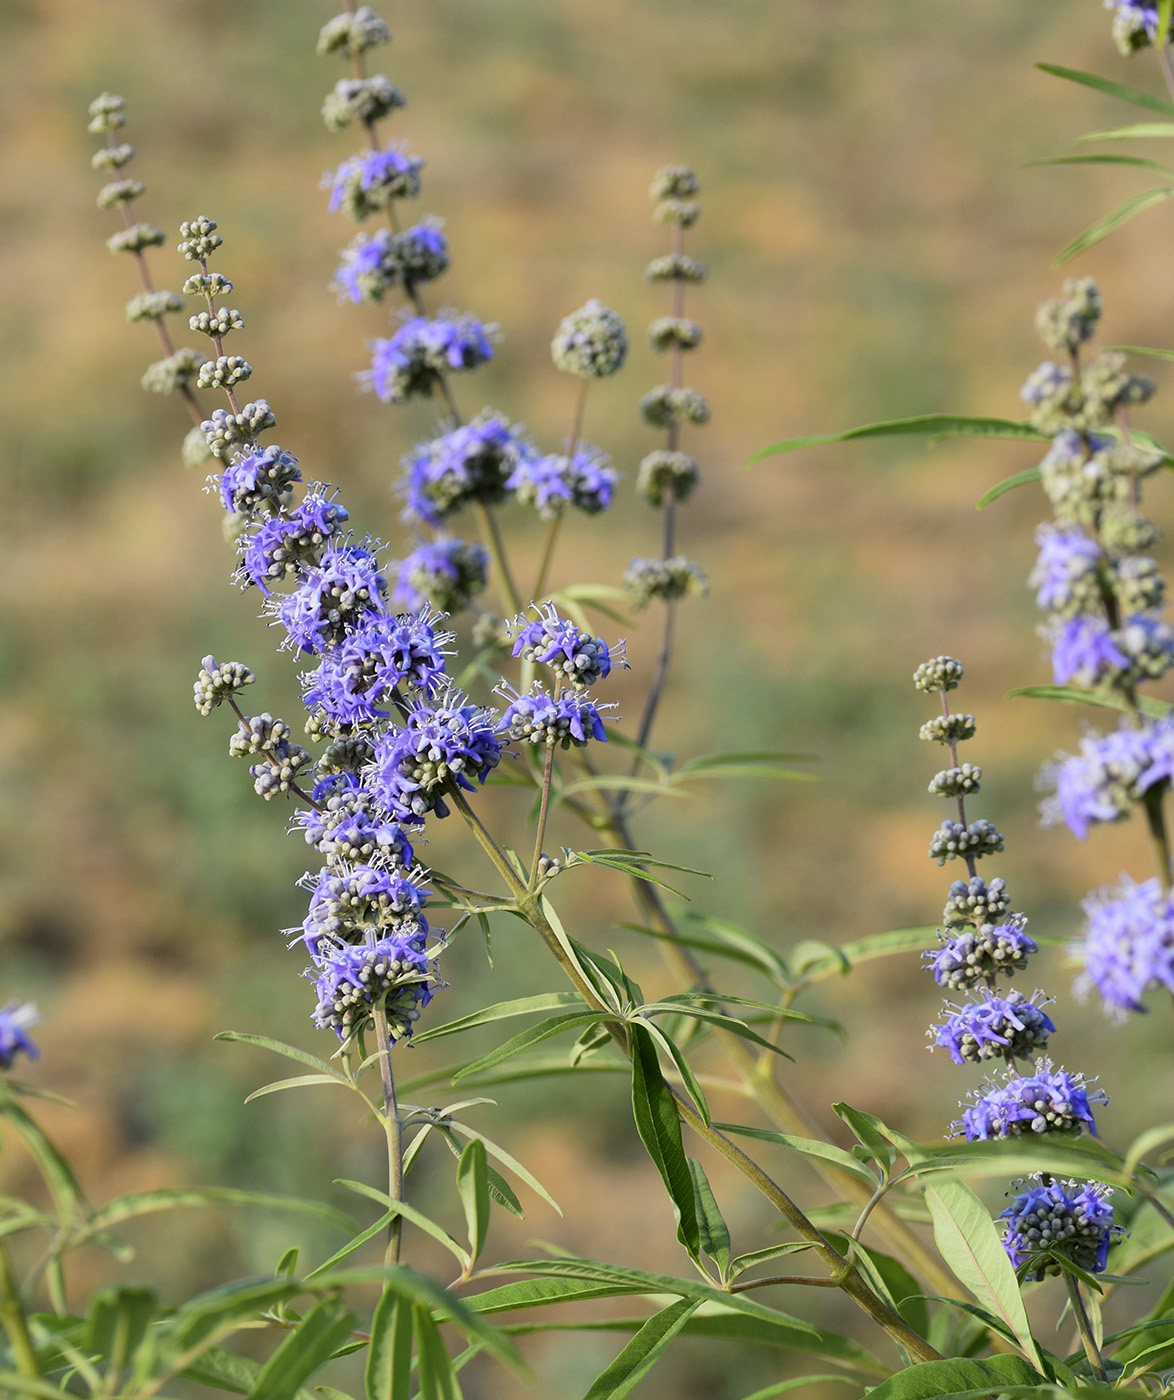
876,250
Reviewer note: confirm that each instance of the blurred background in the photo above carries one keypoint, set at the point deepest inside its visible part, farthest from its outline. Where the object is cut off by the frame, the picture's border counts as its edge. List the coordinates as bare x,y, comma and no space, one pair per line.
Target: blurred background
876,249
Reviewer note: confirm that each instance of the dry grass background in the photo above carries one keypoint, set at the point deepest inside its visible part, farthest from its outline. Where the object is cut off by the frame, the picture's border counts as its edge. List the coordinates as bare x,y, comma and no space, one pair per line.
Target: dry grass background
876,250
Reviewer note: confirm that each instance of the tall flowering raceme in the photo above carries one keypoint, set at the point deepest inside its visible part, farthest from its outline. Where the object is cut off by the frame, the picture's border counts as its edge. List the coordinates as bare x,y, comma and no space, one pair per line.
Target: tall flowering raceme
1052,1226
1103,596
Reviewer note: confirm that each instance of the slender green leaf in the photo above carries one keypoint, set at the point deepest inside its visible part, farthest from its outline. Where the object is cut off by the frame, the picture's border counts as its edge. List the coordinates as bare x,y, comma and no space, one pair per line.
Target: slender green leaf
388,1374
223,1370
437,1378
320,1333
659,1126
56,1171
1144,1144
616,782
764,1256
1126,210
520,1006
861,950
642,1352
1073,695
797,1383
503,1193
291,1052
410,1213
1009,483
690,1081
13,1384
957,1378
810,1147
510,1163
713,1230
969,1243
473,1187
298,1081
534,1035
1137,161
329,1265
735,1317
118,1321
540,1292
932,425
1126,94
173,1197
1081,1157
746,765
328,1392
868,1131
200,1317
1143,350
896,1285
1138,132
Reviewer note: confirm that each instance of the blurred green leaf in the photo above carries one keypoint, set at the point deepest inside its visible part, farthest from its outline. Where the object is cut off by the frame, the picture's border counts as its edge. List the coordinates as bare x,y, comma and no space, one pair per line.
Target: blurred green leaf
797,1383
175,1197
56,1171
291,1052
642,1352
320,1333
118,1321
742,765
1139,132
224,1370
932,425
1073,695
1141,349
298,1081
877,945
1139,162
1111,89
1126,210
1008,484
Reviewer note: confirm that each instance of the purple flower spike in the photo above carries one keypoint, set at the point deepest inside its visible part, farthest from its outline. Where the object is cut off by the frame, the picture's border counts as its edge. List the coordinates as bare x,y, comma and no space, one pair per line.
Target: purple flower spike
15,1020
1060,1221
1128,945
1049,1101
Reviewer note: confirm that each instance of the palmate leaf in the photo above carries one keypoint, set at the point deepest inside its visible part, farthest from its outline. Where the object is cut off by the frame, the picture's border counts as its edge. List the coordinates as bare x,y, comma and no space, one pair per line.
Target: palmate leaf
1126,210
642,1352
931,425
1111,89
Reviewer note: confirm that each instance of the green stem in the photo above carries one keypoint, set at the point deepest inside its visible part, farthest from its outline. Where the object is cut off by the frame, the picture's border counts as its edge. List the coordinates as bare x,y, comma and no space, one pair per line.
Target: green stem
1084,1324
543,812
509,588
530,908
1155,816
14,1322
1165,65
394,1129
548,555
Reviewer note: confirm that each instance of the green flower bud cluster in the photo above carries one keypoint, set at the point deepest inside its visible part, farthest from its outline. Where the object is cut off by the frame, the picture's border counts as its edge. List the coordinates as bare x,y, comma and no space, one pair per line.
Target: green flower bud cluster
217,323
349,754
218,679
666,404
195,451
956,782
136,238
152,306
353,34
674,333
675,267
174,372
223,372
360,99
948,729
664,579
225,430
112,157
675,186
590,342
207,284
939,673
200,239
107,113
665,475
264,734
1067,321
119,192
972,841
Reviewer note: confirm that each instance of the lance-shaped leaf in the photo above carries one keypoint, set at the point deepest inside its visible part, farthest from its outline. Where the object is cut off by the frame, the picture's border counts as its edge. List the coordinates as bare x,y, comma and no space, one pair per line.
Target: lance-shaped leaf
1137,162
1073,695
502,1011
534,1035
715,1233
291,1052
931,425
809,1147
1141,131
417,1217
659,1125
642,1352
388,1374
1008,483
473,1187
325,1328
963,1378
1111,89
438,1380
841,960
1126,210
174,1197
